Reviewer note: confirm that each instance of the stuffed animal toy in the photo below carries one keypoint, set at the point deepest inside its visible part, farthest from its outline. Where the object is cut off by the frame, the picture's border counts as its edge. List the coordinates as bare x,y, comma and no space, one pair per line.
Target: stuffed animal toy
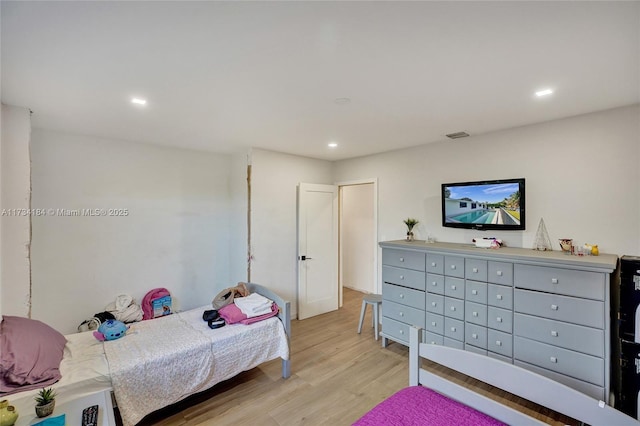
110,330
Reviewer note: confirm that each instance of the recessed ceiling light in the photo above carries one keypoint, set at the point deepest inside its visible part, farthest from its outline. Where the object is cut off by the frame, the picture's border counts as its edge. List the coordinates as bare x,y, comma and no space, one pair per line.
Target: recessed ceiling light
138,101
544,92
332,145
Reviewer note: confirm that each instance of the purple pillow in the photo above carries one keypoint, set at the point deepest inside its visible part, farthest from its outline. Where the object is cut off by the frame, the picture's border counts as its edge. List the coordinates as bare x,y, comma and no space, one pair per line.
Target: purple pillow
30,354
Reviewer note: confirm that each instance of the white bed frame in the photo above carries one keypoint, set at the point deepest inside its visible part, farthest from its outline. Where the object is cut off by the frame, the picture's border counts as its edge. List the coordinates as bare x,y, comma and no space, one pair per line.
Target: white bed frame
511,378
284,315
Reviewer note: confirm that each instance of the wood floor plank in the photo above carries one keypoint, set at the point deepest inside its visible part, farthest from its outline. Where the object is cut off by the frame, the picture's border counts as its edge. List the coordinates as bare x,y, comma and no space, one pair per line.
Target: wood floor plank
337,376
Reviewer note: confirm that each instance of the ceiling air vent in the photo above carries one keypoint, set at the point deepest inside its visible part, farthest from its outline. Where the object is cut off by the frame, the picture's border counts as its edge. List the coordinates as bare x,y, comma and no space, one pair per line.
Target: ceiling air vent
457,135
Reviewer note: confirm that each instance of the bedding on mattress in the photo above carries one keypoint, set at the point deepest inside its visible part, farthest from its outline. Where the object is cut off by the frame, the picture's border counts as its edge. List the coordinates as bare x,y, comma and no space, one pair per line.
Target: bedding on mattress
418,405
162,361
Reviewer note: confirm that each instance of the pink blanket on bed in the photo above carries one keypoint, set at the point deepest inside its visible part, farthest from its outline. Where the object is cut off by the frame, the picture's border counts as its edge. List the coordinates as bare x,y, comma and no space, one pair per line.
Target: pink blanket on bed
418,406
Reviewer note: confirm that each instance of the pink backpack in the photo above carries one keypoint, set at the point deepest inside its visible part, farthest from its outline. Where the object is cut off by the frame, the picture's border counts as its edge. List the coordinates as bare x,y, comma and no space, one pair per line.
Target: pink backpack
147,301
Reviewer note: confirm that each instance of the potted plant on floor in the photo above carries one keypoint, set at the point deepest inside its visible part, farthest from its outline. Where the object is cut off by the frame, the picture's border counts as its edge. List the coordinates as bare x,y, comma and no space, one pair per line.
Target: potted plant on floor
410,222
45,402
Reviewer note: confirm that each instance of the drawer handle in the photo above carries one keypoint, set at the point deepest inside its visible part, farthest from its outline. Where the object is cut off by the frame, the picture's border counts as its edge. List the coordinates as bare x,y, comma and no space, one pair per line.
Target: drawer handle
402,277
499,273
553,359
475,314
499,319
453,266
554,281
475,270
453,308
434,283
498,343
401,314
433,303
474,335
453,287
433,323
401,331
554,307
453,329
499,296
401,296
554,333
402,259
433,264
474,292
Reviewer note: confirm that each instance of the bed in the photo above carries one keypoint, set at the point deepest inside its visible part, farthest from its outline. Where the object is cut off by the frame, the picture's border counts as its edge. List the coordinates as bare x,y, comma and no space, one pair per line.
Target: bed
162,361
431,399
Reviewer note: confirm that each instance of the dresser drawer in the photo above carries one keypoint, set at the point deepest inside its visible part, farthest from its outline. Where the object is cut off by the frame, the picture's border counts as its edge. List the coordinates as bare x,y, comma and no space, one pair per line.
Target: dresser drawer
403,313
403,295
593,391
403,259
475,335
500,296
500,273
500,357
454,308
585,284
435,303
475,269
434,339
454,329
573,364
499,342
403,277
470,348
454,287
453,343
435,323
475,292
475,313
435,263
454,266
563,308
395,330
569,336
500,319
435,283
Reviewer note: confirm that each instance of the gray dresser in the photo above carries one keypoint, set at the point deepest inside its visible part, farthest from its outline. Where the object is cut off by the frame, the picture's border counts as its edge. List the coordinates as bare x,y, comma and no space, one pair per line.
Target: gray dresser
544,311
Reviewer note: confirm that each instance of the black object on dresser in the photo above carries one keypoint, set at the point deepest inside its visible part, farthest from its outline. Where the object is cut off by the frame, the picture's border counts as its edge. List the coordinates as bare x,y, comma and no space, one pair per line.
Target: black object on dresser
628,332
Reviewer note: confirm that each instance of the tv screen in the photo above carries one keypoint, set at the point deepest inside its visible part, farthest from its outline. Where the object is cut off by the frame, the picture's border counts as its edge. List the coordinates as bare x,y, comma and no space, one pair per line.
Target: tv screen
491,204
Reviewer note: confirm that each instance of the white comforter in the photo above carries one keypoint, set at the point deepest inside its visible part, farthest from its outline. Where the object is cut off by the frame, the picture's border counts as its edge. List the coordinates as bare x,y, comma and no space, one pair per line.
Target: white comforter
162,361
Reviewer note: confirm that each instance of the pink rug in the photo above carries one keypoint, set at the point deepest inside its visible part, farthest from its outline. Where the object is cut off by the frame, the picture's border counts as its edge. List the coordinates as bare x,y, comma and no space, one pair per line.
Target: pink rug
418,406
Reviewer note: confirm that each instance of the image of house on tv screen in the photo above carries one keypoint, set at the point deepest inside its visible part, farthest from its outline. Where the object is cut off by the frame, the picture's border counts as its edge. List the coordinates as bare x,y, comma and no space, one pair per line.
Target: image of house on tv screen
497,204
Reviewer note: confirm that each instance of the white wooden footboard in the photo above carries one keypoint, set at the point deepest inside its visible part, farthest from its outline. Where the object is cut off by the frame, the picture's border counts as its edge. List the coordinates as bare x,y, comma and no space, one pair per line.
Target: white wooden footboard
511,378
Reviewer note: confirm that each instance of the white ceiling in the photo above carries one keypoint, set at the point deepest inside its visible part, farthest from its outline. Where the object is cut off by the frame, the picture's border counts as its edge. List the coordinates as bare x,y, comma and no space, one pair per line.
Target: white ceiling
220,76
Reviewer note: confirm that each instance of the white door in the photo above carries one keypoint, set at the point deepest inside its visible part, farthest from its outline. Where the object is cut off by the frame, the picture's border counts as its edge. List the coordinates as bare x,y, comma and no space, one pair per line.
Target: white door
317,249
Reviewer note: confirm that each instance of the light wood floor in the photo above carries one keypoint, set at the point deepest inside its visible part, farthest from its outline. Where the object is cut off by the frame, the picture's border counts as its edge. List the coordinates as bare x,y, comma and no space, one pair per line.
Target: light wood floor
337,376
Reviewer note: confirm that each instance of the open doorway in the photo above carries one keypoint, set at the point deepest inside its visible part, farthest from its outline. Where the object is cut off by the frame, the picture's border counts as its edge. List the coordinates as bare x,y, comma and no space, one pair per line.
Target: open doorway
358,236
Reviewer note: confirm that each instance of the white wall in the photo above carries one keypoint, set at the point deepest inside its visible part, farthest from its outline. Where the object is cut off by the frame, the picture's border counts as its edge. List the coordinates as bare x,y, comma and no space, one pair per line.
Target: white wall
357,237
15,276
176,234
581,173
273,217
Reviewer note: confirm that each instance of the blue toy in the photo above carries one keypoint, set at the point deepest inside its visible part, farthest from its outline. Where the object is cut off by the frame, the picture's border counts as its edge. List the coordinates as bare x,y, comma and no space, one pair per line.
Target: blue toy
110,330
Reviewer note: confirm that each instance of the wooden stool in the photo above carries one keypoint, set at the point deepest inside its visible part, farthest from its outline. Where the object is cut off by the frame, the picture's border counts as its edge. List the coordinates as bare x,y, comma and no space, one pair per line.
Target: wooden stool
375,300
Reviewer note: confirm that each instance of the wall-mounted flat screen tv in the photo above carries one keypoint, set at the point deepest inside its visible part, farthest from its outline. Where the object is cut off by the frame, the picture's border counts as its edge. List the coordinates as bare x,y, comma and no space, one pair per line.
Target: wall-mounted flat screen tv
490,204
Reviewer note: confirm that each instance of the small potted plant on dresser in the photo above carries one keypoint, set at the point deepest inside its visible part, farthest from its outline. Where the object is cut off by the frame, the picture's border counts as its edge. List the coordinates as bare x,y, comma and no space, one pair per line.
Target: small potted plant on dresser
45,402
410,222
